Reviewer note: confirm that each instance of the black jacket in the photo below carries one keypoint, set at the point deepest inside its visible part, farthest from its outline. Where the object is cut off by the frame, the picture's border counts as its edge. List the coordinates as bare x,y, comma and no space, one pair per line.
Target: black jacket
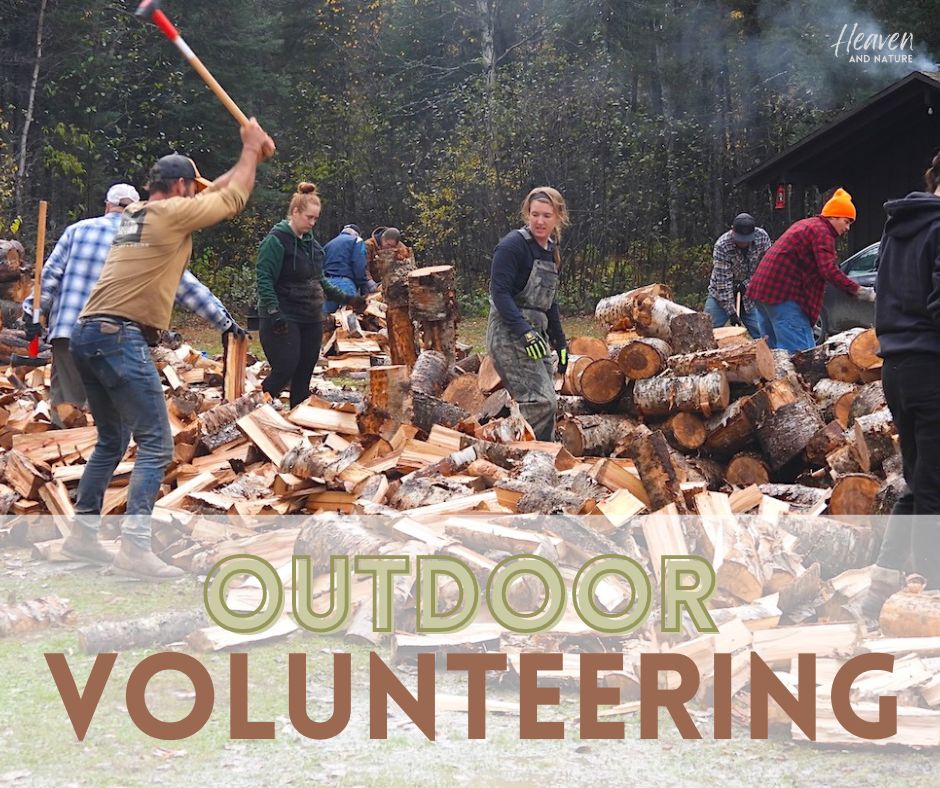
907,310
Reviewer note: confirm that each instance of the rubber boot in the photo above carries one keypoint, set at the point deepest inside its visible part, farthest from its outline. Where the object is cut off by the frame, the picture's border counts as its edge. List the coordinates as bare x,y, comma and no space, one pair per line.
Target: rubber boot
82,544
135,561
884,583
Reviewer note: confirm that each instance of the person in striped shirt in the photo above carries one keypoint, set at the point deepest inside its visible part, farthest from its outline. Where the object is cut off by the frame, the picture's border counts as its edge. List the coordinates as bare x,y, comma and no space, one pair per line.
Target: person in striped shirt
67,279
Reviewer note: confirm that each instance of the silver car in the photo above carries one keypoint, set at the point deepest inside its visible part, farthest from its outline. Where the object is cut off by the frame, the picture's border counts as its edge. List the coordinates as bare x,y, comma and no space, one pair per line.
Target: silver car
840,311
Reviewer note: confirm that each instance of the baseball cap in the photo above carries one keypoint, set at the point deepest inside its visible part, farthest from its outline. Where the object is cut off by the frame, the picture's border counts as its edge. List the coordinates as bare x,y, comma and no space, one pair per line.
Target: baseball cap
173,166
742,228
354,228
122,194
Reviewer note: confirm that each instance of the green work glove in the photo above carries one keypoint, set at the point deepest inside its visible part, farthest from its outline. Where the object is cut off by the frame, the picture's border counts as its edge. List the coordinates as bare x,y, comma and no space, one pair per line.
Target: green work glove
562,360
536,347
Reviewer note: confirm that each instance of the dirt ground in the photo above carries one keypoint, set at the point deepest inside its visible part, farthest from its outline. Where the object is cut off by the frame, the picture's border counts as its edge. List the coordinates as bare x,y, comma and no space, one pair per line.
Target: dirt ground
38,746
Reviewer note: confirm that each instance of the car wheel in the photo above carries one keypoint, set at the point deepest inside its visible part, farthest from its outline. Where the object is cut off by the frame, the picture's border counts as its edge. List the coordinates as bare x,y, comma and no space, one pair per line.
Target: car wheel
821,328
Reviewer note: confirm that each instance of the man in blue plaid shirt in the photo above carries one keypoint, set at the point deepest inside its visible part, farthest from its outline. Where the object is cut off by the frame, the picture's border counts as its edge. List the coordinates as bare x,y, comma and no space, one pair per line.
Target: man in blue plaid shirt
68,277
734,261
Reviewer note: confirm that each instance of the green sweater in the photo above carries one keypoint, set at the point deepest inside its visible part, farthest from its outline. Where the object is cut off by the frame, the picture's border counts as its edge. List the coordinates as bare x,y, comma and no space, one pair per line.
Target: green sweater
270,261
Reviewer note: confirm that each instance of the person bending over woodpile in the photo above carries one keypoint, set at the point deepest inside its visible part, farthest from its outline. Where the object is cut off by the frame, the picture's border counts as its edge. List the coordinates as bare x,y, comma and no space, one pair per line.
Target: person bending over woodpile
68,276
907,322
524,316
291,288
789,282
131,302
389,262
344,265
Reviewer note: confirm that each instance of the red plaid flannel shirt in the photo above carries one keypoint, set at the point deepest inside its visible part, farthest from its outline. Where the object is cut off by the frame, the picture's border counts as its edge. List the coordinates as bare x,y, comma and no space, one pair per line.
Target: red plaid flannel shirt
797,267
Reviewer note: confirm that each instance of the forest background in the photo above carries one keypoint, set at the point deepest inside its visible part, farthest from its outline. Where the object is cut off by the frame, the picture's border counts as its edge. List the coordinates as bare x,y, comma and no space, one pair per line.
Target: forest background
437,116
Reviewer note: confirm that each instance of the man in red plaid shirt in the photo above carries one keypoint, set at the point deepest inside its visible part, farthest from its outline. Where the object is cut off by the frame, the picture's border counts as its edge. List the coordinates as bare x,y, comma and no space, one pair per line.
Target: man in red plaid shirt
789,282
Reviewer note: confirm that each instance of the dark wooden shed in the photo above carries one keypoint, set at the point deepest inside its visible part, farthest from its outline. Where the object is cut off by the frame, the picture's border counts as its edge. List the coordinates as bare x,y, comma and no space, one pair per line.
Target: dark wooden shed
877,151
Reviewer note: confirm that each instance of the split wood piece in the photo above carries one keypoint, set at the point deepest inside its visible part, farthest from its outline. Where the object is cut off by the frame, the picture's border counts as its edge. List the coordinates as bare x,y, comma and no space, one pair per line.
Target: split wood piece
665,394
786,417
184,404
71,416
470,364
318,462
731,430
429,411
834,398
916,727
158,629
19,618
685,431
744,500
717,519
747,363
221,416
661,476
326,535
432,302
911,613
488,378
171,377
854,493
453,463
56,445
823,640
489,472
56,498
802,592
614,476
430,374
801,498
214,638
812,363
662,531
594,436
875,439
692,333
588,346
615,310
643,358
233,366
464,392
496,405
485,536
270,432
844,460
829,439
174,499
746,469
835,545
571,384
601,382
726,336
741,573
701,469
325,419
24,475
863,350
620,508
894,485
868,399
388,401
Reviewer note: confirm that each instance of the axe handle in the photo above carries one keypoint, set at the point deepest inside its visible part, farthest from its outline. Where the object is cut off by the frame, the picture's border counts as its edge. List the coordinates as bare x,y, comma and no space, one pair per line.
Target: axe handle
160,20
40,254
737,304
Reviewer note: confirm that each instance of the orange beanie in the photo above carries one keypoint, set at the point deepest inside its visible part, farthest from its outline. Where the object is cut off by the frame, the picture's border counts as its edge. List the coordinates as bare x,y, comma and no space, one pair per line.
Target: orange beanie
840,206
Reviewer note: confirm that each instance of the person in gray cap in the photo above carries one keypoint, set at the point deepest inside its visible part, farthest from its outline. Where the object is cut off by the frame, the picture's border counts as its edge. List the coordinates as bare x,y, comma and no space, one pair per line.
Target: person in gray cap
128,306
734,260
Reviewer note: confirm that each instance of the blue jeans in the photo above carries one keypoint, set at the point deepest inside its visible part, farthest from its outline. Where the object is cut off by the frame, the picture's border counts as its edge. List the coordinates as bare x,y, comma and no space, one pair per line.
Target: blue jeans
126,399
719,317
786,326
347,285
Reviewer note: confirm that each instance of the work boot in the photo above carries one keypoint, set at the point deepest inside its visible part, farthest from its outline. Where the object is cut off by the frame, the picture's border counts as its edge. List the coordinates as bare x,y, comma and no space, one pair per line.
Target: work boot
136,561
884,583
82,544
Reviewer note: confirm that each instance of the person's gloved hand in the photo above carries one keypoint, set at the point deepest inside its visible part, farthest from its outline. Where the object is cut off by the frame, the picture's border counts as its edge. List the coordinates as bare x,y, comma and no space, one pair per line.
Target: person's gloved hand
356,303
31,329
278,321
562,360
865,294
734,318
740,287
536,347
234,330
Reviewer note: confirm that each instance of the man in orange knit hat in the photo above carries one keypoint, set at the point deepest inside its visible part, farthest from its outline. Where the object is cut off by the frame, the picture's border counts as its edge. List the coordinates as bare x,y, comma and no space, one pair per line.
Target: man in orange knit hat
790,280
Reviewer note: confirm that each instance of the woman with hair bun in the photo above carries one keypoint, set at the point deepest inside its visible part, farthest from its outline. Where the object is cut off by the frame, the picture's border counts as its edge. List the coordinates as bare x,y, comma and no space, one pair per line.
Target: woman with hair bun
524,316
907,321
291,289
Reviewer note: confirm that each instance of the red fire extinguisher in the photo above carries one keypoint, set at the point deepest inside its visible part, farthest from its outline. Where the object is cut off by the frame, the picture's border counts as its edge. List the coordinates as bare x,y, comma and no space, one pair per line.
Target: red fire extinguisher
780,196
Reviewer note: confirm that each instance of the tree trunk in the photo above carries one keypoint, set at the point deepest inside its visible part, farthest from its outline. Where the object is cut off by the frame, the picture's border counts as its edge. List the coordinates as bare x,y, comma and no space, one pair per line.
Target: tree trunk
429,411
833,544
619,309
692,333
868,399
829,393
730,430
874,439
593,436
786,419
746,469
854,493
31,103
660,396
601,382
825,442
685,431
643,358
432,302
148,632
812,363
747,363
430,373
863,350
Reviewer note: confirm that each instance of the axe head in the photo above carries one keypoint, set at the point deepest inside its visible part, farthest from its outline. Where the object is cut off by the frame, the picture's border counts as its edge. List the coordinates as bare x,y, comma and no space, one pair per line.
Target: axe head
147,8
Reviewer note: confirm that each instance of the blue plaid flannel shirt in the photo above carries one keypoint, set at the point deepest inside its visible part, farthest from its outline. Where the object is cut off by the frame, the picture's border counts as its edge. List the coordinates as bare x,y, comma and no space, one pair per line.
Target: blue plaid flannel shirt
75,265
733,265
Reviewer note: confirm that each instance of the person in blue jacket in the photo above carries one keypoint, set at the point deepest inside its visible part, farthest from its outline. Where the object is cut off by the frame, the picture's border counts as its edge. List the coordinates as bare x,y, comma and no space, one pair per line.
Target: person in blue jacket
344,266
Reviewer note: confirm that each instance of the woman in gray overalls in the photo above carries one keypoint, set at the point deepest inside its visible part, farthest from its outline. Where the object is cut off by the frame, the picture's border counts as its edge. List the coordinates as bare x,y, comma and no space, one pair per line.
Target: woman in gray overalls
524,316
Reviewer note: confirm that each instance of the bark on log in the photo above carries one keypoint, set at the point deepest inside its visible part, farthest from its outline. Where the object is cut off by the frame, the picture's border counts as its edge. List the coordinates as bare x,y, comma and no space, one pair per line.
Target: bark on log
319,462
496,406
731,430
665,394
811,364
685,431
798,496
331,534
825,442
430,373
148,632
783,363
746,363
601,382
843,461
388,402
692,333
786,419
429,411
618,309
828,393
653,317
868,399
833,544
222,416
854,493
432,301
571,385
643,358
401,335
747,469
874,439
910,614
594,436
655,464
577,406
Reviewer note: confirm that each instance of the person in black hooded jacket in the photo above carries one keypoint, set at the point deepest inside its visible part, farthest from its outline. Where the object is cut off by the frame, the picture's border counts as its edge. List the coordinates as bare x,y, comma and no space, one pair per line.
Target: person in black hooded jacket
907,321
